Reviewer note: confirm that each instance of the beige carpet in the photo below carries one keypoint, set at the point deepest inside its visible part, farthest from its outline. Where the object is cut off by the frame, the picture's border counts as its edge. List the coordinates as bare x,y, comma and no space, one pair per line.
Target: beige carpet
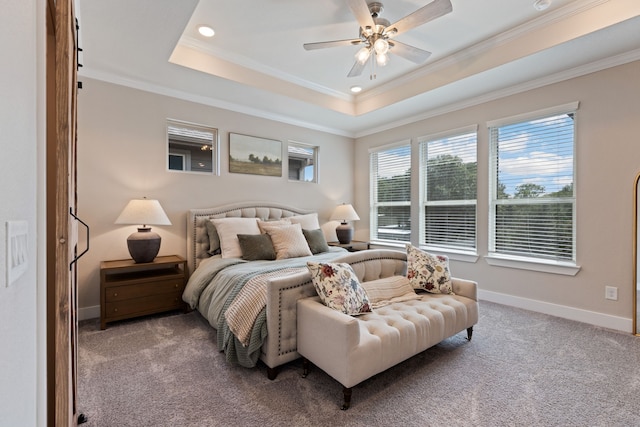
520,369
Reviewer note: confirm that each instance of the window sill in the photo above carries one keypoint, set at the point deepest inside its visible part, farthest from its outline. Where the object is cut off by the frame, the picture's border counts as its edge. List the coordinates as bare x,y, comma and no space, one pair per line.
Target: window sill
463,256
523,263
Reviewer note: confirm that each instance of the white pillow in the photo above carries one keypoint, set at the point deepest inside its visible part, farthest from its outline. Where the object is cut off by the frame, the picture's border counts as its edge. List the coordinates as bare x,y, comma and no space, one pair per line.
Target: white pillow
268,225
289,242
228,230
388,290
308,221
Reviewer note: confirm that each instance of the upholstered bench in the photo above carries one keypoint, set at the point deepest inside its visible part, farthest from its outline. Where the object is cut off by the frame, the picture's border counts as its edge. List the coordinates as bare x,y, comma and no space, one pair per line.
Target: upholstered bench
353,348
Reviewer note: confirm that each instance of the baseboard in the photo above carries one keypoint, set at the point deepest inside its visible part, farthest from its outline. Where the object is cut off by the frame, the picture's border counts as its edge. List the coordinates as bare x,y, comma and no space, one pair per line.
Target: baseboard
85,313
591,317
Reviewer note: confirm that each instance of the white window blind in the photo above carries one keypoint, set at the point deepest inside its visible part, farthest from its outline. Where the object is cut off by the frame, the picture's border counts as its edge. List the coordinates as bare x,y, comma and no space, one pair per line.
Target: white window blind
448,180
390,181
532,188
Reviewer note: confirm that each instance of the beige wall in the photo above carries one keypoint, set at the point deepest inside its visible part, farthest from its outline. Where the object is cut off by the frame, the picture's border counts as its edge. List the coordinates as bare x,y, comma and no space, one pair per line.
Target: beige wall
22,303
121,155
607,161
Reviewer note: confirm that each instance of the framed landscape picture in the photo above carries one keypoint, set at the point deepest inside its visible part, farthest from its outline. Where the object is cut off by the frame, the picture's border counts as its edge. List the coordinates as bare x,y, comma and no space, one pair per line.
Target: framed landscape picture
254,155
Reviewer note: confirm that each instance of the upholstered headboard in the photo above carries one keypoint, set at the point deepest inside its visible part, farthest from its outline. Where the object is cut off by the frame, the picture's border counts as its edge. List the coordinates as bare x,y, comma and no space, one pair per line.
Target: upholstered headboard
197,238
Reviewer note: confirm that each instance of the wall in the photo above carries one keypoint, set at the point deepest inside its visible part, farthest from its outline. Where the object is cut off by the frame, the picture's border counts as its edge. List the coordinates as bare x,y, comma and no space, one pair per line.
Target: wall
122,155
22,352
607,161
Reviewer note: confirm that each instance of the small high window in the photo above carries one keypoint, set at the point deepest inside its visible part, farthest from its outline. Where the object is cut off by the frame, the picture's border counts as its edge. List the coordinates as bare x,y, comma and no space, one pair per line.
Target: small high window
303,161
192,148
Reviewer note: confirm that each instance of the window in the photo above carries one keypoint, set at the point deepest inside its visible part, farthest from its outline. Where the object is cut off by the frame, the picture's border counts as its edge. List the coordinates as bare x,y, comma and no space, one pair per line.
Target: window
448,187
532,211
303,159
192,148
391,193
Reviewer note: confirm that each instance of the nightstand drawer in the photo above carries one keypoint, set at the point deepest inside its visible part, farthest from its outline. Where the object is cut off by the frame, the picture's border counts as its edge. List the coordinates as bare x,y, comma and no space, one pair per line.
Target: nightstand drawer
119,293
144,305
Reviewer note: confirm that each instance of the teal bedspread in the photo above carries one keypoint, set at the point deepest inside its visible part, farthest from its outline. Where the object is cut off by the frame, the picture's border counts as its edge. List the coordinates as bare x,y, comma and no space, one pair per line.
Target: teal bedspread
215,284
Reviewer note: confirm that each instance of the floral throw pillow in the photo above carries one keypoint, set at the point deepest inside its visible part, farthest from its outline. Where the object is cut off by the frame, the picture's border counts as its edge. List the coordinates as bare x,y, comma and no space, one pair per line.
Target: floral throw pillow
339,288
428,272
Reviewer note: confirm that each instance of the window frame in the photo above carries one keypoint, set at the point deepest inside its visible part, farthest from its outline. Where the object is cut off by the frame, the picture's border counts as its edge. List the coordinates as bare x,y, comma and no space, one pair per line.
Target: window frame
530,261
186,154
423,143
316,156
374,204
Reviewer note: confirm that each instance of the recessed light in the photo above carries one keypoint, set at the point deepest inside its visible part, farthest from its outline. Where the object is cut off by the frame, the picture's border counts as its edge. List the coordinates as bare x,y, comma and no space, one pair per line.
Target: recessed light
206,30
541,4
356,89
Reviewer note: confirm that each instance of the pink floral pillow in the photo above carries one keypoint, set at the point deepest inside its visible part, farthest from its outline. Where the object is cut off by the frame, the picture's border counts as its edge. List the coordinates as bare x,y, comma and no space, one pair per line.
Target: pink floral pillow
339,288
428,272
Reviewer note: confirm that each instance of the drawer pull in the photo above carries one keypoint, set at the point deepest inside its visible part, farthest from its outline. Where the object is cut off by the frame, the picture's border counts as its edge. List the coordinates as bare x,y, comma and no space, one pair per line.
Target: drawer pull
115,294
115,310
177,286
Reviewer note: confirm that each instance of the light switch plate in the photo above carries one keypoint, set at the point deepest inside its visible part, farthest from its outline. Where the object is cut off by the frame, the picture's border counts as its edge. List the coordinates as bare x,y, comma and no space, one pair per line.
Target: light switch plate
17,250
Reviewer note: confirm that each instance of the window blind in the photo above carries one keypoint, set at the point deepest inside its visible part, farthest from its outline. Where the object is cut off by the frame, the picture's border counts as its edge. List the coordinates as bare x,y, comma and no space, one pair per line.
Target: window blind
448,179
390,182
532,196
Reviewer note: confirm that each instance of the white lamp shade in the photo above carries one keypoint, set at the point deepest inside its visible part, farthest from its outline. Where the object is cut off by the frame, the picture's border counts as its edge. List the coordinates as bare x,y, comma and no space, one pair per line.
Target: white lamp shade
143,211
344,212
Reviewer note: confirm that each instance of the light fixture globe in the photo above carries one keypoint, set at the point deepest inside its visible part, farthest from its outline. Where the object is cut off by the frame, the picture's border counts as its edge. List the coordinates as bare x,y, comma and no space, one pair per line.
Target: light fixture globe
145,244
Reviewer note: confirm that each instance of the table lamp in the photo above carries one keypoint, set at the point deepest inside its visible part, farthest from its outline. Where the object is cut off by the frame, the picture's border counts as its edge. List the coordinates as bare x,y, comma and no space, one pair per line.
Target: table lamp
344,213
145,244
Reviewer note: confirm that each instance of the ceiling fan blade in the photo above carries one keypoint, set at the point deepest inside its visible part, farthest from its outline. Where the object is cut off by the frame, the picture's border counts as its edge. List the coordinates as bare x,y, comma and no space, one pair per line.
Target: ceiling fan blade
360,10
433,10
357,69
411,53
334,43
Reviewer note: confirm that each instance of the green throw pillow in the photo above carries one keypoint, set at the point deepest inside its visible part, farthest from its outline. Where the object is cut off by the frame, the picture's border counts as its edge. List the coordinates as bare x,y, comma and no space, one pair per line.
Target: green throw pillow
315,239
256,247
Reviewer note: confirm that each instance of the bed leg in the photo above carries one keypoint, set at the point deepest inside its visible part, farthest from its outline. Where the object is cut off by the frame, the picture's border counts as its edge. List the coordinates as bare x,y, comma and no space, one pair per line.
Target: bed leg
305,367
469,333
347,398
272,373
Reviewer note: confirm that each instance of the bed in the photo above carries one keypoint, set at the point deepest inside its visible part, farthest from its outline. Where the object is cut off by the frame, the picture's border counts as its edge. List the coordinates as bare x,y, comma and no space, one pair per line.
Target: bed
251,303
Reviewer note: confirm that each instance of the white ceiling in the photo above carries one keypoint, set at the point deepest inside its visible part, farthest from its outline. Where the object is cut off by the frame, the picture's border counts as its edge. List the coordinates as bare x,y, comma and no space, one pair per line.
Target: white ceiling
256,64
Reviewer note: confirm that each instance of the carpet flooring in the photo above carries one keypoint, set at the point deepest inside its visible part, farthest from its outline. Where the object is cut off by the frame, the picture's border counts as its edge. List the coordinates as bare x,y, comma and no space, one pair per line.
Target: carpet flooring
520,369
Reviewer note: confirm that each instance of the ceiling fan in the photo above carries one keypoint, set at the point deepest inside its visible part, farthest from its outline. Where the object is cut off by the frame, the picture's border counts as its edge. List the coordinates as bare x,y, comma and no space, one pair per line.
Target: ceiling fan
376,34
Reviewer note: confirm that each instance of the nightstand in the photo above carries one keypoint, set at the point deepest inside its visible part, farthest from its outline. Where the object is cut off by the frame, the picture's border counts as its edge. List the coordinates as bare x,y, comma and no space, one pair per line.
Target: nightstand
353,246
128,289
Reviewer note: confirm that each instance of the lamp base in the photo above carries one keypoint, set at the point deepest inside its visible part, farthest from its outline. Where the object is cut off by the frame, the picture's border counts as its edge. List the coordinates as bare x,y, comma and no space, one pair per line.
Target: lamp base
344,232
143,245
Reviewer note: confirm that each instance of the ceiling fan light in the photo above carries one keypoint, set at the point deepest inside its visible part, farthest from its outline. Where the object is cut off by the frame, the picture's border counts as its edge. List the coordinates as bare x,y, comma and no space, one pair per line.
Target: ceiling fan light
382,60
363,54
381,46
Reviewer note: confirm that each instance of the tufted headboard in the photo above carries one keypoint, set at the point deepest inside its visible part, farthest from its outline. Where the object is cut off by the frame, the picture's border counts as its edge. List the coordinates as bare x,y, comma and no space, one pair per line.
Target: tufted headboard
197,238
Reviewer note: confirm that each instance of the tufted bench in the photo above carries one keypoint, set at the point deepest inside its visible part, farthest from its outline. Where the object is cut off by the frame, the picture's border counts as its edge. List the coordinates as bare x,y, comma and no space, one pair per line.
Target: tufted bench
352,349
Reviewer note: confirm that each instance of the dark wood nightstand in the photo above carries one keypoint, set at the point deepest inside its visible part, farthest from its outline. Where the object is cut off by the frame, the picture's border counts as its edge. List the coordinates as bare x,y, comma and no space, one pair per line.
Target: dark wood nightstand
353,246
130,290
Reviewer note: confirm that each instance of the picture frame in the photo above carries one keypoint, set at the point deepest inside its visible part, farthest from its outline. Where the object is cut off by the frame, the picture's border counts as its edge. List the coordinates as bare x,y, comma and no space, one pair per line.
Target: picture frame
255,155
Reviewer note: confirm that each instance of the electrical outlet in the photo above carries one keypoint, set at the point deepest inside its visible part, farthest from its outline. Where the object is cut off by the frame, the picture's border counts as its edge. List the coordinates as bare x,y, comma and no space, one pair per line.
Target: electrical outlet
611,292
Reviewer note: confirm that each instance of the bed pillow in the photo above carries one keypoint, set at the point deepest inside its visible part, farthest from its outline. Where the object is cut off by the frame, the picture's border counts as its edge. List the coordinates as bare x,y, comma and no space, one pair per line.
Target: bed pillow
428,272
316,241
228,230
308,221
267,225
388,290
214,240
289,242
256,247
339,288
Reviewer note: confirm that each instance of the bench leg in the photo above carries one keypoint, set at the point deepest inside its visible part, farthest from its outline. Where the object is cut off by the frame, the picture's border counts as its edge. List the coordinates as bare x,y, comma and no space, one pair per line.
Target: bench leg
469,333
305,367
272,373
347,398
